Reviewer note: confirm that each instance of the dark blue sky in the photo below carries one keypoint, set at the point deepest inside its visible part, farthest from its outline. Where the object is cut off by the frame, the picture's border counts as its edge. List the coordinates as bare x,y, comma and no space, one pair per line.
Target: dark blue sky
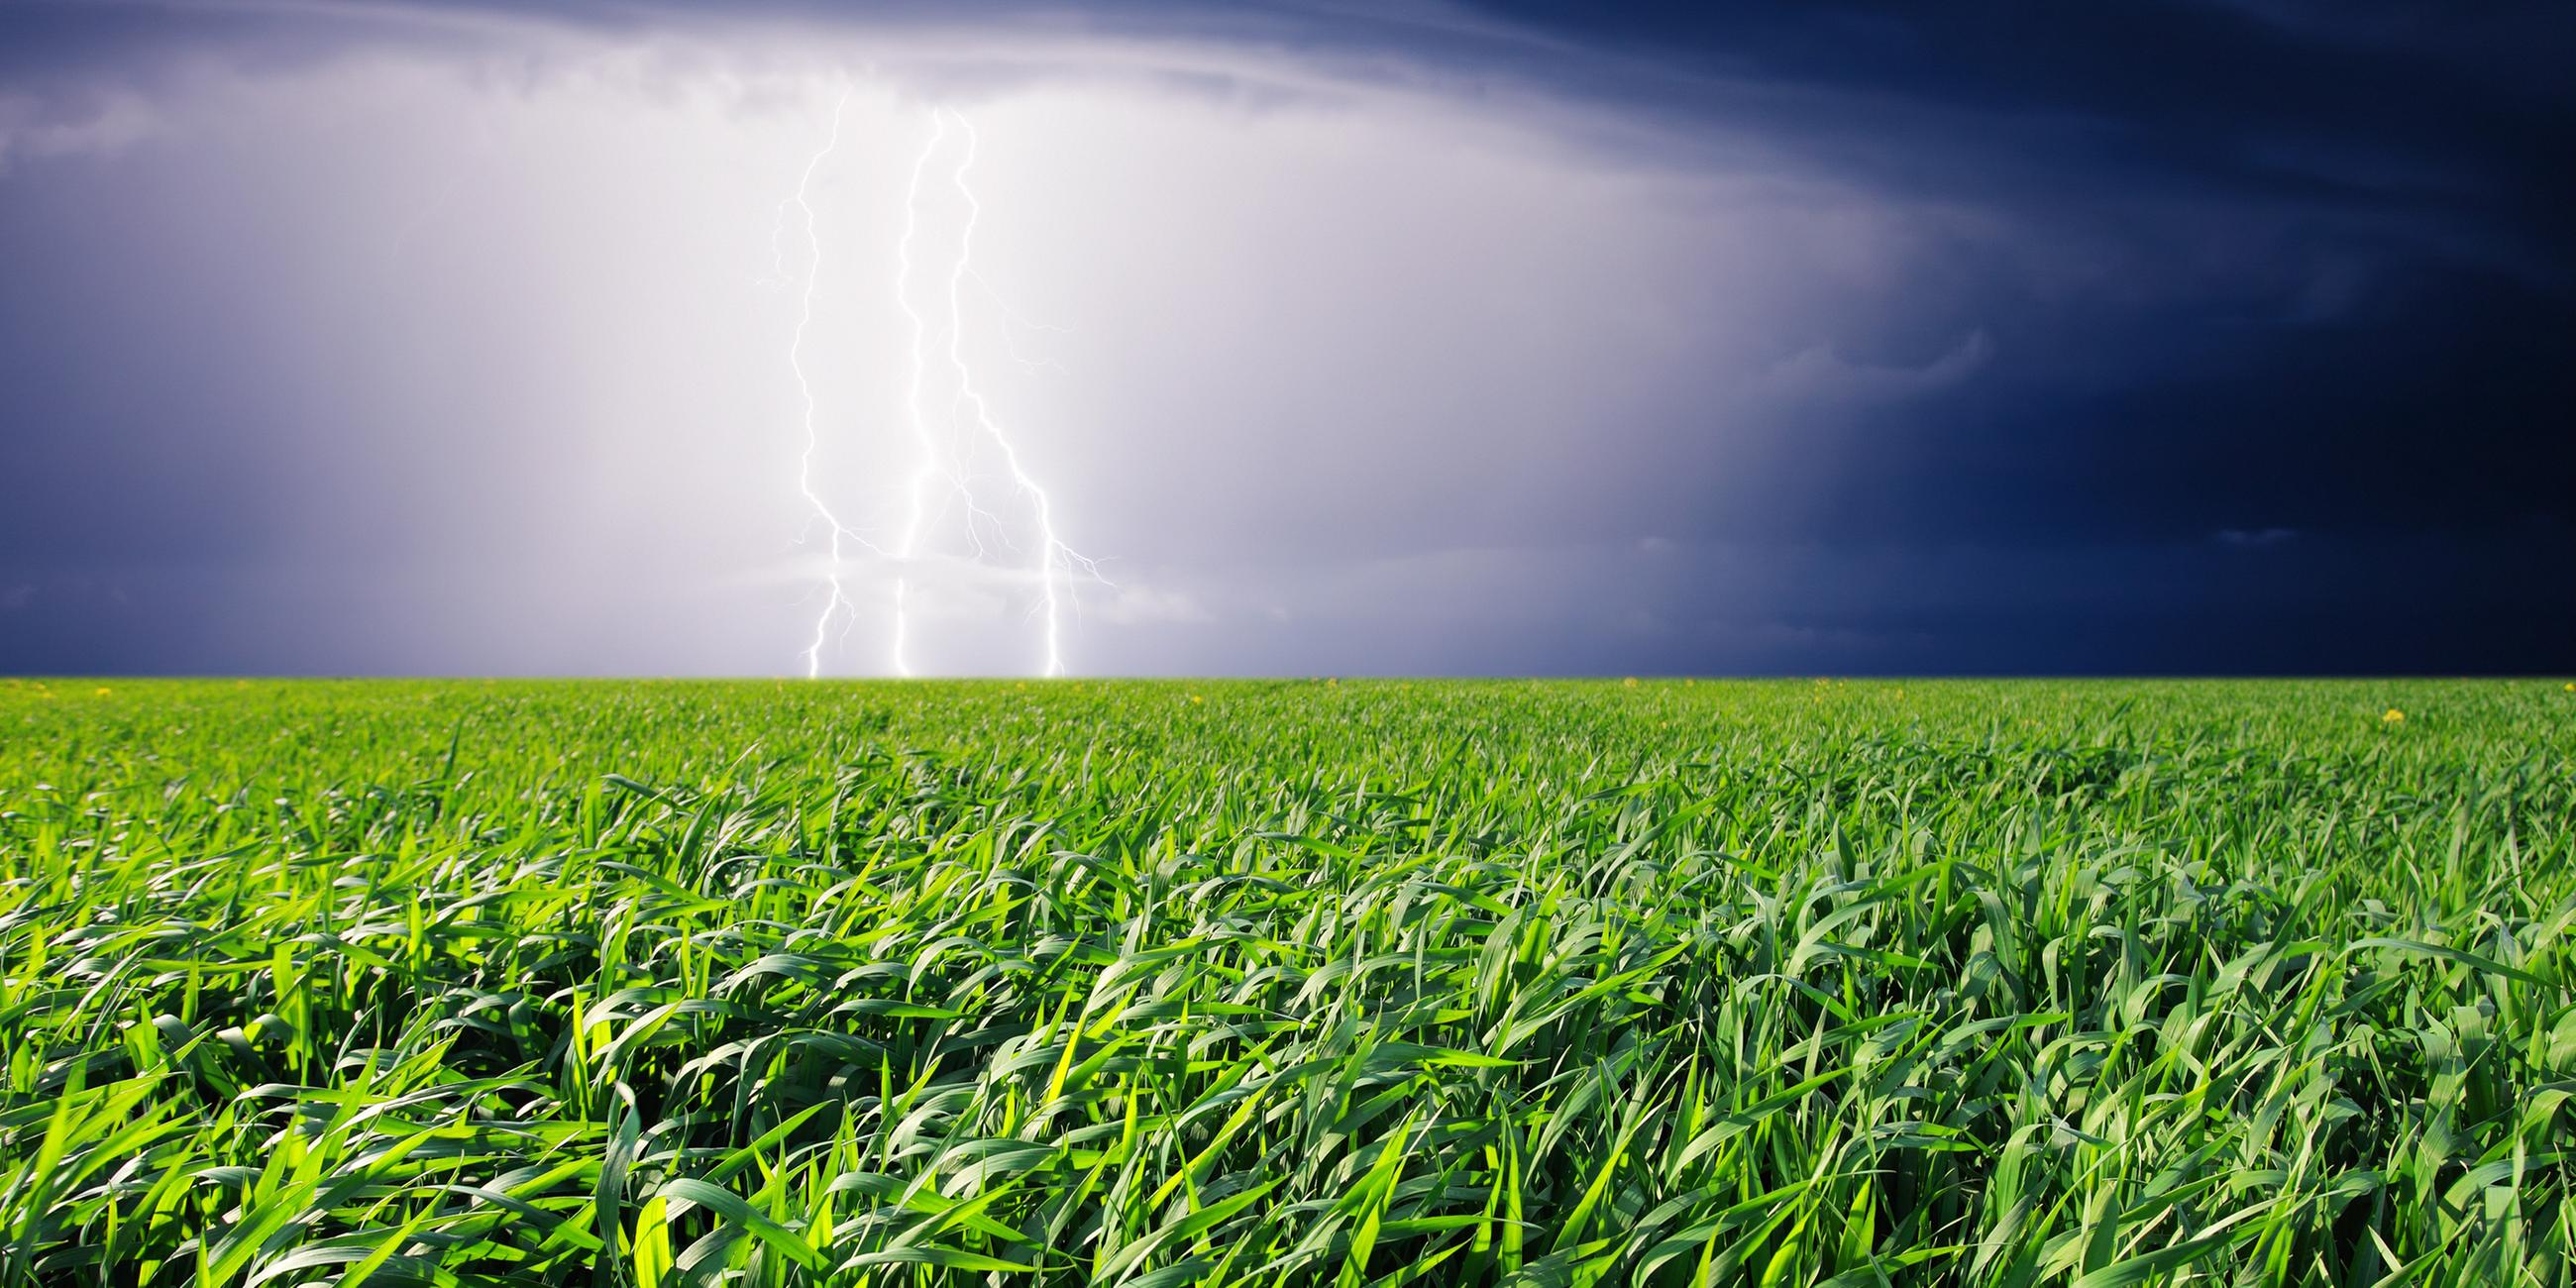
2231,336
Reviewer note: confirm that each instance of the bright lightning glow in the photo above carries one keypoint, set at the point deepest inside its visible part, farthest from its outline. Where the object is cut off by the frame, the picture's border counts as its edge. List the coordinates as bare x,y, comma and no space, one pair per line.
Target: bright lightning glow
908,546
943,467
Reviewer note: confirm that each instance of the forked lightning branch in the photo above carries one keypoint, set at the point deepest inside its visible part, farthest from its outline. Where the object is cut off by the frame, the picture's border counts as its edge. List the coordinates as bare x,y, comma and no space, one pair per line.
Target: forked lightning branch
966,468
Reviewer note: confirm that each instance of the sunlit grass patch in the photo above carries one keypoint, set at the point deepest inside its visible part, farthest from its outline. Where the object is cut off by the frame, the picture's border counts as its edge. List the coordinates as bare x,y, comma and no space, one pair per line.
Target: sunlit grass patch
1333,981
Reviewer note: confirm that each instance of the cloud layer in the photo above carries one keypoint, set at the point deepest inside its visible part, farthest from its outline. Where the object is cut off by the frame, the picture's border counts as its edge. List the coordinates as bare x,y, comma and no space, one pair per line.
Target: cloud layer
1515,339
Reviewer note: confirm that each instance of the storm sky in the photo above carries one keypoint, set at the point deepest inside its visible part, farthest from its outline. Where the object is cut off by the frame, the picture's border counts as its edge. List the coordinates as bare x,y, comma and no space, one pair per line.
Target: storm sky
2227,336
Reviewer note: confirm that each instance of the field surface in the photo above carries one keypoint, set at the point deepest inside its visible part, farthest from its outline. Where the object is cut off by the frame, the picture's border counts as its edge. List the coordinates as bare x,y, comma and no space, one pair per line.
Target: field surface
1287,983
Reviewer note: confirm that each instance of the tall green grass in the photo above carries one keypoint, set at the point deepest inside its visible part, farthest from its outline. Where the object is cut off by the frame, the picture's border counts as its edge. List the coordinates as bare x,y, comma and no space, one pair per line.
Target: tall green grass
1287,983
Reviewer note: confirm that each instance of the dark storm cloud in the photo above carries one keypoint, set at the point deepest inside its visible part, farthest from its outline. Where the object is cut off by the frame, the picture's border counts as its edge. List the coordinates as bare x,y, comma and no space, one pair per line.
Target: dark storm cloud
2376,348
2232,336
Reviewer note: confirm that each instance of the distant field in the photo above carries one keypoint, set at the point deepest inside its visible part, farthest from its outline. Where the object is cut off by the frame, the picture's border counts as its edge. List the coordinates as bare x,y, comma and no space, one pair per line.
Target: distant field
1287,983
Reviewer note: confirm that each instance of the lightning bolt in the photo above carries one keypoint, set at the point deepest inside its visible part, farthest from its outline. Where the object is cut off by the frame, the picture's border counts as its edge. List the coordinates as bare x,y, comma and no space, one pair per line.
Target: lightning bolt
941,471
838,601
1056,562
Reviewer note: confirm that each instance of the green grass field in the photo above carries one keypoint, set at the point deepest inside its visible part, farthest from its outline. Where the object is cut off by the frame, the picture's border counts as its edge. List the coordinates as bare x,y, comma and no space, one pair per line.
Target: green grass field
1287,983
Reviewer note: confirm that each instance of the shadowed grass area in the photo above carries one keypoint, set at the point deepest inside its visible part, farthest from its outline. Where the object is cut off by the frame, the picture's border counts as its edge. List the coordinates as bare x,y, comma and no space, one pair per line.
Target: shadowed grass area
1287,983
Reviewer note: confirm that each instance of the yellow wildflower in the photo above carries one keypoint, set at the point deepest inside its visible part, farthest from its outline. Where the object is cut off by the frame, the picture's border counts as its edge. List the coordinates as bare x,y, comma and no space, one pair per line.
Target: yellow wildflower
1194,697
2394,716
1631,682
102,693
